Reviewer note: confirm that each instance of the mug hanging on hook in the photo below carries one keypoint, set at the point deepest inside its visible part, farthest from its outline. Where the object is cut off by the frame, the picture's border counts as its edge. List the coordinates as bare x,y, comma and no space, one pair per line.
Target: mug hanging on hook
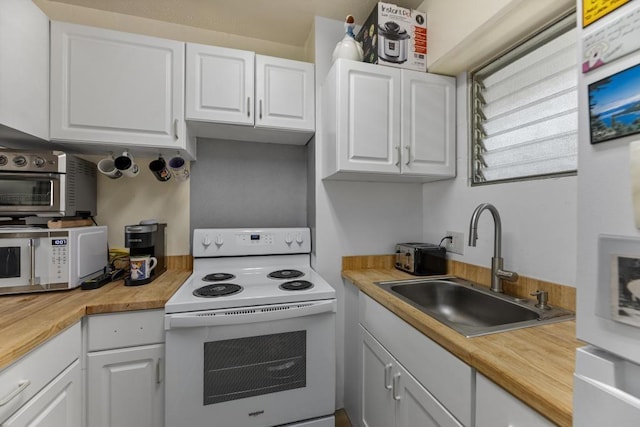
159,169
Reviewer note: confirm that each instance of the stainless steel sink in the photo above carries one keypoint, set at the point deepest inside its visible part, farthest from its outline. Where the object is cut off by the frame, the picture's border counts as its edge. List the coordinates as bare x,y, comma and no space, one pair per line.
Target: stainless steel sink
470,309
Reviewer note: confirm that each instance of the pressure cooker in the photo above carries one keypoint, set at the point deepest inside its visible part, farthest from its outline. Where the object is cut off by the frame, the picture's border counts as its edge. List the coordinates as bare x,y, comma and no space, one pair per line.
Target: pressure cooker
393,41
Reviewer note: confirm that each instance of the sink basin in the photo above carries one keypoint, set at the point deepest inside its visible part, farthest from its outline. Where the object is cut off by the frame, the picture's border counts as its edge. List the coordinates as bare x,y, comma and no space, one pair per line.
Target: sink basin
470,309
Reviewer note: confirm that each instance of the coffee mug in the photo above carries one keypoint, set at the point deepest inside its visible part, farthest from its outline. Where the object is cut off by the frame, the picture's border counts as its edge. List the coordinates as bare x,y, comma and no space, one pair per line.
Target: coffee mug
141,266
178,166
159,169
108,168
126,164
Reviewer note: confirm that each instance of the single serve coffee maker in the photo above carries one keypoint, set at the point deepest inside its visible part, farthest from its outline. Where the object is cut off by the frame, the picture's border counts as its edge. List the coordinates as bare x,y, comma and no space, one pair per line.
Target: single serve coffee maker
147,252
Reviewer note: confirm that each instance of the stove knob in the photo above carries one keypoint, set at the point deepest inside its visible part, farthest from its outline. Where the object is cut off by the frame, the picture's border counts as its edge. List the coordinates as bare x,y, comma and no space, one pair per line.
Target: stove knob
299,239
206,241
288,239
3,160
219,240
20,161
39,162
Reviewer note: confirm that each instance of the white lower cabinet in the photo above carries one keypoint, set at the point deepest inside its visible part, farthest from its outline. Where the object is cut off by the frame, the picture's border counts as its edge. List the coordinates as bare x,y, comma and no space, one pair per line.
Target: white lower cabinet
405,379
44,388
391,396
125,369
497,408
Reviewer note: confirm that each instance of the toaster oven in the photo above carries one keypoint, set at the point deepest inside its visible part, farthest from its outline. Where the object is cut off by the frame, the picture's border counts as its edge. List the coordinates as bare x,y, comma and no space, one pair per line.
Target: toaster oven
421,259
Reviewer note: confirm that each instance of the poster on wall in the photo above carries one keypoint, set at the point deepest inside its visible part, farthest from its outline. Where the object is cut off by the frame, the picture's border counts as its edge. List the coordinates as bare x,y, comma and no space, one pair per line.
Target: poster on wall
592,10
617,39
614,105
619,277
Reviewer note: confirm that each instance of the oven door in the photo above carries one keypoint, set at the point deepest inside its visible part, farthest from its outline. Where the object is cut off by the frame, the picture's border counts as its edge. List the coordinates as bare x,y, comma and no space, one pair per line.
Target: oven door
29,193
24,261
250,367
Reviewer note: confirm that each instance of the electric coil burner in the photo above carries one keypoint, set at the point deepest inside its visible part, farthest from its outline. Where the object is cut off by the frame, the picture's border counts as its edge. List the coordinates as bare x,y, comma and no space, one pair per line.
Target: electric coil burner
285,274
296,285
257,352
219,290
218,277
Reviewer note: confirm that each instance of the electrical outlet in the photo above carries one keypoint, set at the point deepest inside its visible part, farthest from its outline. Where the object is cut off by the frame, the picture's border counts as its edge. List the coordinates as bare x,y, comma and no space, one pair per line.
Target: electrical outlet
456,243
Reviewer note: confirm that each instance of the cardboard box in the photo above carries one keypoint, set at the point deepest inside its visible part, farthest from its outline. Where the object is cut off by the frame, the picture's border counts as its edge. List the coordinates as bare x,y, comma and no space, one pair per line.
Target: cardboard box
395,36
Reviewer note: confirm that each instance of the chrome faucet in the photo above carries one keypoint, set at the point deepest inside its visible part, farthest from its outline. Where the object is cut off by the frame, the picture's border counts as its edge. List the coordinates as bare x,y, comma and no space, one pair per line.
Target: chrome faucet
497,273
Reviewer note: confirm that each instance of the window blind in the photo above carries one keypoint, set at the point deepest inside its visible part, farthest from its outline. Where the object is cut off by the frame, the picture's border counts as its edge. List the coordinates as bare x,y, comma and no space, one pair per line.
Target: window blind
524,114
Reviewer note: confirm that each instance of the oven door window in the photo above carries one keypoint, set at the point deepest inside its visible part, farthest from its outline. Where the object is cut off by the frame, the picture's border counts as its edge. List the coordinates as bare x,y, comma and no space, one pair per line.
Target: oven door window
10,262
26,192
245,367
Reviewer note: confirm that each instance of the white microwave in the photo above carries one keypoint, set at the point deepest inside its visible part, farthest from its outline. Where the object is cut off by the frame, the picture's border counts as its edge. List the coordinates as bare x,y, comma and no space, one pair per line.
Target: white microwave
38,259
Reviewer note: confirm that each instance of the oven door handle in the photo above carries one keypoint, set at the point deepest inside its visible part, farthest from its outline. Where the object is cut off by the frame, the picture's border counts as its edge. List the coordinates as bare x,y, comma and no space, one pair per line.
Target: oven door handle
243,315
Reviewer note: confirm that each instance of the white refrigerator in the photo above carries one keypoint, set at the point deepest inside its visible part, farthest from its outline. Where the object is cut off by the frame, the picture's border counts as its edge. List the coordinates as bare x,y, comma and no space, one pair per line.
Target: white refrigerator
607,373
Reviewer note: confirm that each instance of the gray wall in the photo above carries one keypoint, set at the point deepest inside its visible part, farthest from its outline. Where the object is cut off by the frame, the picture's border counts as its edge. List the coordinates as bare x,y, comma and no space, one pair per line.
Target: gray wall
248,184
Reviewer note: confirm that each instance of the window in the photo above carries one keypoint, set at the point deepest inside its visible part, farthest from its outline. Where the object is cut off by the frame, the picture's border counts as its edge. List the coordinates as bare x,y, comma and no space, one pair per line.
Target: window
524,109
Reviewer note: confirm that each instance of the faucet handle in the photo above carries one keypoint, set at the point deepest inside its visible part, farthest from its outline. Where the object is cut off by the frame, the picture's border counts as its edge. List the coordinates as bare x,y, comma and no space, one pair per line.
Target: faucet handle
543,299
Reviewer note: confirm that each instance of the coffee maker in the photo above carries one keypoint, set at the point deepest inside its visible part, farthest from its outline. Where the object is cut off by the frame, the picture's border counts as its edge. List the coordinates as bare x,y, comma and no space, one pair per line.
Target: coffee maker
147,239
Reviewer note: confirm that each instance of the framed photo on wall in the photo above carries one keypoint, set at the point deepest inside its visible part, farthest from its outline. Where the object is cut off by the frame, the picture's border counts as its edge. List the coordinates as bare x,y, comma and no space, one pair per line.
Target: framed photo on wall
614,105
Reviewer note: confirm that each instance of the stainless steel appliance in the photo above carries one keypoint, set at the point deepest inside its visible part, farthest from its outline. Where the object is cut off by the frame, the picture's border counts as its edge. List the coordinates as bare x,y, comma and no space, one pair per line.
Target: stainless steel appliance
46,183
39,259
393,41
147,239
421,259
250,337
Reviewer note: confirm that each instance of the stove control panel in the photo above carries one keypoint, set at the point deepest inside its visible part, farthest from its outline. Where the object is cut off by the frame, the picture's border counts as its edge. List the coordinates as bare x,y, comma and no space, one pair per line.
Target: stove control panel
209,242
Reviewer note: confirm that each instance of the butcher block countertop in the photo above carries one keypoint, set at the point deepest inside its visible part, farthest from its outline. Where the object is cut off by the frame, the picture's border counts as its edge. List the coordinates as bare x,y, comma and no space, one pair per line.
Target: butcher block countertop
29,320
534,364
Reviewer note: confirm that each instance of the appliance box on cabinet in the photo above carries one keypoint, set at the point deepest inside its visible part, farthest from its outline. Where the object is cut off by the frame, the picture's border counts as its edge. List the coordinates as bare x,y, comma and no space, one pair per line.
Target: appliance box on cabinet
395,36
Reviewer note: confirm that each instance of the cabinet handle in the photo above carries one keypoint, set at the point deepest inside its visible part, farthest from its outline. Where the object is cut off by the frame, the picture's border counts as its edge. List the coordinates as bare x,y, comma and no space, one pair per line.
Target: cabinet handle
248,106
408,147
159,371
387,373
397,147
261,109
32,262
175,128
22,385
396,380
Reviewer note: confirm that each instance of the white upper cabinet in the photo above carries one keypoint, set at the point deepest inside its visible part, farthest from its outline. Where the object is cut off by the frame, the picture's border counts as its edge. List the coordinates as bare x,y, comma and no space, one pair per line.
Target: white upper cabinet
238,95
24,71
110,87
284,94
383,123
220,84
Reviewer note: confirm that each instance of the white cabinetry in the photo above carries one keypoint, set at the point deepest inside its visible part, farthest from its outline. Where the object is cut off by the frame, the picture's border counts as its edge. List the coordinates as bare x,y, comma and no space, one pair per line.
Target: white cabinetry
125,372
115,88
383,123
44,387
238,95
497,408
24,71
391,396
421,384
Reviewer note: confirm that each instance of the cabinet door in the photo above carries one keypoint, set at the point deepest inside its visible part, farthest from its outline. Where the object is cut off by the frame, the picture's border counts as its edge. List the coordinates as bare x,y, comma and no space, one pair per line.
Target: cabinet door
497,408
114,87
416,406
284,94
59,404
376,369
220,84
428,124
126,387
24,70
368,117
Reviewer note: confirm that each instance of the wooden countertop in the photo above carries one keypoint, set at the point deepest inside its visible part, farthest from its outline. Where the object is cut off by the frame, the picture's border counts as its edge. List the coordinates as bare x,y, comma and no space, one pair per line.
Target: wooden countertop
534,364
29,320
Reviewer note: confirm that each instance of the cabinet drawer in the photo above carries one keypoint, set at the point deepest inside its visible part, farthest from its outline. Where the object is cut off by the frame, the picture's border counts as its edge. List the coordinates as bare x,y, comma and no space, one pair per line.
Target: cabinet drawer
446,377
133,328
37,368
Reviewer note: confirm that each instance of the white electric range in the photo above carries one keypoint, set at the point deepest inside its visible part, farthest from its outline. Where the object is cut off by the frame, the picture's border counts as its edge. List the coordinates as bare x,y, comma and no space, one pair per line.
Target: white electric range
250,336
